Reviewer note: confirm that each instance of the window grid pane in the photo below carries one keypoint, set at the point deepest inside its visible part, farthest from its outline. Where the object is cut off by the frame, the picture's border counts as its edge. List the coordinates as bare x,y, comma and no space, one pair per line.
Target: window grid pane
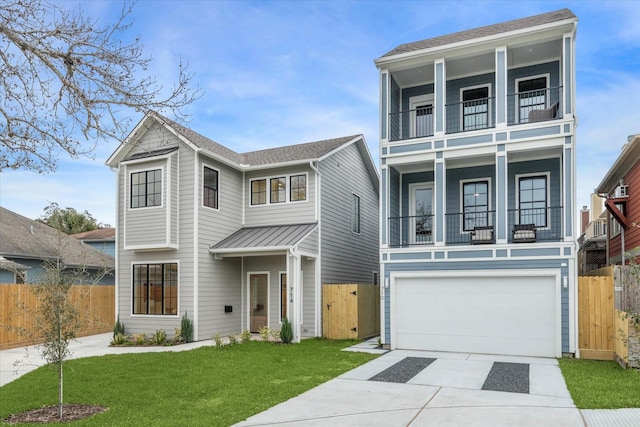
259,192
146,188
278,190
210,188
155,289
475,202
533,201
298,188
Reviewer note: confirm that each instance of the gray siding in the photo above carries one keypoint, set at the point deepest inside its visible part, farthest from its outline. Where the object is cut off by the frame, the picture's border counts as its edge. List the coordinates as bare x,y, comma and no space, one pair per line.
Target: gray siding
274,265
454,98
348,257
280,213
551,166
394,118
308,298
551,68
310,244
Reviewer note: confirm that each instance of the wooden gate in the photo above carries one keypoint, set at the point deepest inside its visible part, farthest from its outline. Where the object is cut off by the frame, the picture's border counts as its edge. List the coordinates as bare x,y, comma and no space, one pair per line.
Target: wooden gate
350,311
596,317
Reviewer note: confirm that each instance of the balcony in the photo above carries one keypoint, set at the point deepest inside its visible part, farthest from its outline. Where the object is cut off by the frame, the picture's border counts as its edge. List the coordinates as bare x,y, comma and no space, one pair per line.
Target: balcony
537,105
477,228
476,114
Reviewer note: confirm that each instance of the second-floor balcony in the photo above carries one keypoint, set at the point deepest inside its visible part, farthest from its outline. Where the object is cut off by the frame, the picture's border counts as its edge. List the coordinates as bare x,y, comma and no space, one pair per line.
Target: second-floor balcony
479,227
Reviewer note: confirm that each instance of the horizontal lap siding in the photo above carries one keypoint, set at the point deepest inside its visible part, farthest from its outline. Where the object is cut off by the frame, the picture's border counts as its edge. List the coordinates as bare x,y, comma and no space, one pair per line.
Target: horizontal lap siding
552,166
503,265
632,234
454,176
348,257
274,265
310,243
454,98
280,213
308,298
220,282
551,68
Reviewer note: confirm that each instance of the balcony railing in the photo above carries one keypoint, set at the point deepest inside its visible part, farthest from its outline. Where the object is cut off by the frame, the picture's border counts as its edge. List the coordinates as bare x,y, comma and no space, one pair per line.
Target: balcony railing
411,230
471,115
415,123
534,105
462,228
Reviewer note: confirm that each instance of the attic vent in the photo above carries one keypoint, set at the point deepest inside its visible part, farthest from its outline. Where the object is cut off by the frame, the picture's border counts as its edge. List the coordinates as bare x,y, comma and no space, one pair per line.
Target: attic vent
622,191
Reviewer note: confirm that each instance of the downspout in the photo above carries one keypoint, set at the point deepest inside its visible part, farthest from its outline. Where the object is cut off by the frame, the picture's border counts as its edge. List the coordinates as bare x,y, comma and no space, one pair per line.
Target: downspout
318,263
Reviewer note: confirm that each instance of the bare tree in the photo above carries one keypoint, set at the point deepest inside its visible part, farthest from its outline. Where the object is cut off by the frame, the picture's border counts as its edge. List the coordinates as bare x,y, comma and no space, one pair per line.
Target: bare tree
65,77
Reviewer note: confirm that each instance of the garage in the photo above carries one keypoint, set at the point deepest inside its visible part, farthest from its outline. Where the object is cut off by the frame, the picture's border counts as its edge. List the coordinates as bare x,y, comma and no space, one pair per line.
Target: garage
515,314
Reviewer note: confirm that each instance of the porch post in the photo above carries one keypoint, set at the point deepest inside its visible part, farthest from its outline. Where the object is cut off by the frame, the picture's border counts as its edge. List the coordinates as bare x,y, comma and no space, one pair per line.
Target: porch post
294,292
501,195
501,87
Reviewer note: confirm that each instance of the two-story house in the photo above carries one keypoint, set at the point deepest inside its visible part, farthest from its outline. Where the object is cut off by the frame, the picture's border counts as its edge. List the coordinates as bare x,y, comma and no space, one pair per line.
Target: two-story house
238,240
477,147
619,187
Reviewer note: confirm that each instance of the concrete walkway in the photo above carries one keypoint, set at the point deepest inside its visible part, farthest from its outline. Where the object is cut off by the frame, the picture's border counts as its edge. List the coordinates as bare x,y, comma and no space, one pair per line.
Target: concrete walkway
447,392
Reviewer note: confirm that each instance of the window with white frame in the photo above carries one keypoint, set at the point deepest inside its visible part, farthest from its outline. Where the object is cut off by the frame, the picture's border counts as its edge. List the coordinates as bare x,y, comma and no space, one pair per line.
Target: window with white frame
475,204
533,200
155,289
532,95
355,214
210,187
146,188
475,107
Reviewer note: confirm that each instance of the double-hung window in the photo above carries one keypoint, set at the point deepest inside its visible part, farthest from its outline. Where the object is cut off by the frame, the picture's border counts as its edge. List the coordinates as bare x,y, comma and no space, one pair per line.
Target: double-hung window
146,188
155,289
532,95
475,204
532,200
210,188
475,108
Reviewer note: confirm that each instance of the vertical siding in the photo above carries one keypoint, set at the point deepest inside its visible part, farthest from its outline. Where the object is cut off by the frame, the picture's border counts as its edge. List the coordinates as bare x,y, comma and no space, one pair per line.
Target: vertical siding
348,257
280,213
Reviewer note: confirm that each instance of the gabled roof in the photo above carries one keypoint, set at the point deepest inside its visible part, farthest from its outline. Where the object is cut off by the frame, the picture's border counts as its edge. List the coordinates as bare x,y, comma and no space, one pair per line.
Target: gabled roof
486,31
21,237
264,238
299,153
629,156
100,234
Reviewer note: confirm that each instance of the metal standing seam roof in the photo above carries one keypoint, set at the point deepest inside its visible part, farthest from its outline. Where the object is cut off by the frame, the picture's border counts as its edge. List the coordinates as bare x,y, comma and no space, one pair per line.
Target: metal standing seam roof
486,31
264,237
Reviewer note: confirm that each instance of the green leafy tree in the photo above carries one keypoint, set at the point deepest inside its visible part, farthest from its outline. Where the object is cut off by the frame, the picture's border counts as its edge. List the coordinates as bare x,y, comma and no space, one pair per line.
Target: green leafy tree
68,220
69,81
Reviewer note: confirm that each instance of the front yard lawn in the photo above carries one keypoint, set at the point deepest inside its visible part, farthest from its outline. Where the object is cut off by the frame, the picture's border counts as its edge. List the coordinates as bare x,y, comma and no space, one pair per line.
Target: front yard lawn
207,386
596,384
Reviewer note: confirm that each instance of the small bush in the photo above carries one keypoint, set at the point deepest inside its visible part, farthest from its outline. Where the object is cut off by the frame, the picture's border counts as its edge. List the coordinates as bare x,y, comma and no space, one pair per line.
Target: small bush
275,334
217,340
119,339
159,338
118,327
232,339
245,335
139,339
177,335
186,328
264,333
286,334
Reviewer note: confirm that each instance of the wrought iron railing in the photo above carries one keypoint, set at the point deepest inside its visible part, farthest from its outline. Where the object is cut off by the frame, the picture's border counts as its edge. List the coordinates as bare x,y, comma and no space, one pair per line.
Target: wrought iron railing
534,105
471,115
416,123
461,226
547,222
411,230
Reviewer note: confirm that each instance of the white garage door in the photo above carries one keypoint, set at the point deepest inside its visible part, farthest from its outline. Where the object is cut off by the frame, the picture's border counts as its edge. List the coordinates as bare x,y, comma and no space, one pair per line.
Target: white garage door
496,315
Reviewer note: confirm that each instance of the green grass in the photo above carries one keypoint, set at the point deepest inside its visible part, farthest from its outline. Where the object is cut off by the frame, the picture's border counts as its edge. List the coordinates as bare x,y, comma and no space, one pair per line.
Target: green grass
596,384
206,386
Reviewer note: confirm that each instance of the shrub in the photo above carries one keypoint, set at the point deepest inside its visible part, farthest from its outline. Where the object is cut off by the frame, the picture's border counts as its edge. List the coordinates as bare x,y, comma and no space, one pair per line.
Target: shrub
275,334
118,328
245,335
186,328
217,340
264,333
139,339
177,334
286,334
232,339
119,339
159,338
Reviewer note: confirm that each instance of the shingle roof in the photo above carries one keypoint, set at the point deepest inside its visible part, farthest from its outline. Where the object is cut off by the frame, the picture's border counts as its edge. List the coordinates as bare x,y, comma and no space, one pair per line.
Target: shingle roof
21,237
489,30
99,234
254,238
290,153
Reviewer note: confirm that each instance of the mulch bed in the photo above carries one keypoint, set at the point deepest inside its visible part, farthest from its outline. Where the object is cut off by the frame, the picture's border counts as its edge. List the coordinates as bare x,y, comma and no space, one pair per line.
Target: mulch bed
50,414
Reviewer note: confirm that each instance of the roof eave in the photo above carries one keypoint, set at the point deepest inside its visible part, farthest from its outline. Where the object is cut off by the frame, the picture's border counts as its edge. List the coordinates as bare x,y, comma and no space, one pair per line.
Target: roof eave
629,156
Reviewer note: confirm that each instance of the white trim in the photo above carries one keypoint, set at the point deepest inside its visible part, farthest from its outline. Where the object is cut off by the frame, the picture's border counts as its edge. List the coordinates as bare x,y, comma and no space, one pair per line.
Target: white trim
489,111
164,184
414,103
131,302
196,245
287,200
412,207
516,103
280,274
248,296
201,192
547,176
431,274
489,201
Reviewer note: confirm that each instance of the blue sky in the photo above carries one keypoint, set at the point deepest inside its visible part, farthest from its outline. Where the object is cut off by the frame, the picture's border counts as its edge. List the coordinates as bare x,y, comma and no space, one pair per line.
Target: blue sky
284,72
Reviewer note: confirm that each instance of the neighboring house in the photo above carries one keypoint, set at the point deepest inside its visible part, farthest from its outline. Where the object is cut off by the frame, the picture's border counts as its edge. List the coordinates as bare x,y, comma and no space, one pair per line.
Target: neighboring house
593,240
620,188
478,244
28,246
103,239
239,241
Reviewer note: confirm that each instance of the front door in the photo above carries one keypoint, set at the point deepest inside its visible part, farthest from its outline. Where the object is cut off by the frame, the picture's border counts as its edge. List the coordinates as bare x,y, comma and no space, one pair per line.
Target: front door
258,301
421,211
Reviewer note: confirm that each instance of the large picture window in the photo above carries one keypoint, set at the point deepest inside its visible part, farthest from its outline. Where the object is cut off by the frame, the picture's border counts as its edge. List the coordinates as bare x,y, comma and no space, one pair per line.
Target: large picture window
210,188
532,200
298,188
155,289
475,204
146,188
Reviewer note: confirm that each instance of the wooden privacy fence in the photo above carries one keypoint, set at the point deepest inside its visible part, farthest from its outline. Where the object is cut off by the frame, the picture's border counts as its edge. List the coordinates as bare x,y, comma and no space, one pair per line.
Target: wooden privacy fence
350,311
96,302
596,317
